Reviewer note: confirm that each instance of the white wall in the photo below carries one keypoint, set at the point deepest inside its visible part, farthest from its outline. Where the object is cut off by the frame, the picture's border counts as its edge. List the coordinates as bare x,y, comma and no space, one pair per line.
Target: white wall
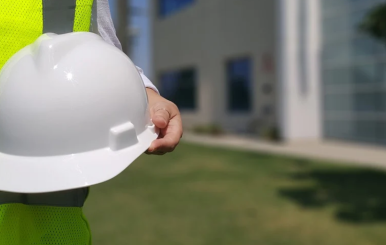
300,109
208,34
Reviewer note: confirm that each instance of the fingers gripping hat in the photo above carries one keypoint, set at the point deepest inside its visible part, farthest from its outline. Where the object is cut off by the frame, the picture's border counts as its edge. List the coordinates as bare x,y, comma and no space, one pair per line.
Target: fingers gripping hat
73,113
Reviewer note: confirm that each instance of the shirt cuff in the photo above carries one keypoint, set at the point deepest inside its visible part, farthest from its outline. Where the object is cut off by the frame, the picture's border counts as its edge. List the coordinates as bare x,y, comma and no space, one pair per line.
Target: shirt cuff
146,81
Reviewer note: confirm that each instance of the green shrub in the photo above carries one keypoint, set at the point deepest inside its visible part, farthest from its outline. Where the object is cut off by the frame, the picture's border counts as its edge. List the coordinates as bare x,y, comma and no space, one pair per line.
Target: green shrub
271,133
210,129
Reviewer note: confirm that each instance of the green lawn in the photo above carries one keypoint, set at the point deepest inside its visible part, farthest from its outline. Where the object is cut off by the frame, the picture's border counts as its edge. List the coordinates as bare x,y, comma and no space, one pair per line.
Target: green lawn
209,196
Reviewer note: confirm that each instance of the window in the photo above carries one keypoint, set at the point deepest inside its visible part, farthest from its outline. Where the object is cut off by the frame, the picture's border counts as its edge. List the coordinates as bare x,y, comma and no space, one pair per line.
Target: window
168,7
180,88
353,75
239,84
363,46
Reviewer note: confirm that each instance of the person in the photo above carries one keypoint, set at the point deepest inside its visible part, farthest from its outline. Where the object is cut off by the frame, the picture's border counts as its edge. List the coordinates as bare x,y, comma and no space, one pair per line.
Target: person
53,218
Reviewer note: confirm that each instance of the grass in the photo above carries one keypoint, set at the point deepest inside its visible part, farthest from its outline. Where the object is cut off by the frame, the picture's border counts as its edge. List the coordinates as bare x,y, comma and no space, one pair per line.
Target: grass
208,196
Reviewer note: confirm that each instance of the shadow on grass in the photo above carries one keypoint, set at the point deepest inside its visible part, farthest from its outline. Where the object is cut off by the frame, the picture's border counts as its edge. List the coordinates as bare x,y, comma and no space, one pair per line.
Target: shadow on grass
359,195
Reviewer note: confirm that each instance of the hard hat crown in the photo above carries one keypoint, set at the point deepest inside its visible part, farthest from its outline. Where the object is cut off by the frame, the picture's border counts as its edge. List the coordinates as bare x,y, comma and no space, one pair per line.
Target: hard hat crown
65,94
73,113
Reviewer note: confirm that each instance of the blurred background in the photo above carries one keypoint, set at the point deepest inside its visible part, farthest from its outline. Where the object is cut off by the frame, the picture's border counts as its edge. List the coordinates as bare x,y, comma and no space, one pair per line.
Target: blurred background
284,110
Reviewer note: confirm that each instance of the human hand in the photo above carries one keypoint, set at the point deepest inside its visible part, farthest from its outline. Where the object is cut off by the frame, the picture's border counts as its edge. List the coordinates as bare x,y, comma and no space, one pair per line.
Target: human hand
166,117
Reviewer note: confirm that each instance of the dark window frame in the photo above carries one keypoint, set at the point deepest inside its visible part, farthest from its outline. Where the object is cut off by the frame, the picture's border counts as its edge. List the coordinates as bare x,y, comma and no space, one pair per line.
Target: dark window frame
174,6
177,96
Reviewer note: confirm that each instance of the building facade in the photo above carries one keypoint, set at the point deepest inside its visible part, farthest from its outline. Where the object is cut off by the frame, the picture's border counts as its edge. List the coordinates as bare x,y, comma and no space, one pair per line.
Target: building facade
215,60
299,65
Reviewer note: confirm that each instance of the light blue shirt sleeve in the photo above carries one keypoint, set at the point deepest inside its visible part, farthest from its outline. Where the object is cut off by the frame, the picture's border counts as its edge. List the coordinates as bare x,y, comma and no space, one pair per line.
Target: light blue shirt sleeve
103,25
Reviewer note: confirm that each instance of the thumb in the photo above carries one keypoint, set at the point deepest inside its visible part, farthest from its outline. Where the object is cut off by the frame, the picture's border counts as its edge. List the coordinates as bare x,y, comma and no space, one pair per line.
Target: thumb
160,115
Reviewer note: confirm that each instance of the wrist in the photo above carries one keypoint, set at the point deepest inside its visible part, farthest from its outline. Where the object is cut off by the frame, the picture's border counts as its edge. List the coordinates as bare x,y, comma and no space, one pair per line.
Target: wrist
152,95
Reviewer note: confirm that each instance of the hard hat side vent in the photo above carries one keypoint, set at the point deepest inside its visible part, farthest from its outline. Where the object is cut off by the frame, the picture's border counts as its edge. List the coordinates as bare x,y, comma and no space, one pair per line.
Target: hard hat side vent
122,136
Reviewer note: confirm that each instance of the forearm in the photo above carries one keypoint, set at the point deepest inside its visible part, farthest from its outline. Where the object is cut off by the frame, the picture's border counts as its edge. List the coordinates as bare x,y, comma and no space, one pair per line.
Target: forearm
153,96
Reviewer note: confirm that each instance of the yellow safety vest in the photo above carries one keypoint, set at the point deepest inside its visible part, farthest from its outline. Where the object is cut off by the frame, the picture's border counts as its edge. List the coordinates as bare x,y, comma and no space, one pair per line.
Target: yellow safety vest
23,21
49,218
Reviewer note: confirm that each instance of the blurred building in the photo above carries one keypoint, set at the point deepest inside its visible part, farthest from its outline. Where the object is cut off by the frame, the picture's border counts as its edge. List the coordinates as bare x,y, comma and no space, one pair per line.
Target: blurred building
299,65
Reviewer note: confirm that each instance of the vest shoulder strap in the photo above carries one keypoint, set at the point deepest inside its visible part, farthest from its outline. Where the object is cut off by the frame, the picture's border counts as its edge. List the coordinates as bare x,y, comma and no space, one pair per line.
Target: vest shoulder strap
23,21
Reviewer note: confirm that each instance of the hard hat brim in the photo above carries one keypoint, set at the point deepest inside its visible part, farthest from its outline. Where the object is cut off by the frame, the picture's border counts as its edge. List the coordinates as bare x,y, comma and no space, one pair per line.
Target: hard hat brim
59,173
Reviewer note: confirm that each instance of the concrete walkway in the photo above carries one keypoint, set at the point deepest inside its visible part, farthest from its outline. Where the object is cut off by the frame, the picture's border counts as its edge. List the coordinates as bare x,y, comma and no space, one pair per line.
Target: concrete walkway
345,153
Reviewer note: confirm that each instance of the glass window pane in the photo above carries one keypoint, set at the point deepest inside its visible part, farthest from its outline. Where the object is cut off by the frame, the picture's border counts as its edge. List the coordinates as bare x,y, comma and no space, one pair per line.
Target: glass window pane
338,102
365,130
363,46
239,85
180,88
168,7
364,74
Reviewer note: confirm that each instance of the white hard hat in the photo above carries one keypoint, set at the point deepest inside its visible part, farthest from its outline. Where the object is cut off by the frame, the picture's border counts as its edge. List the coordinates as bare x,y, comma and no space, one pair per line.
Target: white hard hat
73,113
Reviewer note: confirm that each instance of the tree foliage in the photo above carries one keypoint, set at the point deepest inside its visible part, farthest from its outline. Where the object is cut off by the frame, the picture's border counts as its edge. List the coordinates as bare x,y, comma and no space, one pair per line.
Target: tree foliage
374,23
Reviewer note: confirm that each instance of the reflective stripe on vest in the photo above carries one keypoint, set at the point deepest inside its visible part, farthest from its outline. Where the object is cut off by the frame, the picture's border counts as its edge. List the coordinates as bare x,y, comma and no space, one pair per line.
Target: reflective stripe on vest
23,21
71,198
